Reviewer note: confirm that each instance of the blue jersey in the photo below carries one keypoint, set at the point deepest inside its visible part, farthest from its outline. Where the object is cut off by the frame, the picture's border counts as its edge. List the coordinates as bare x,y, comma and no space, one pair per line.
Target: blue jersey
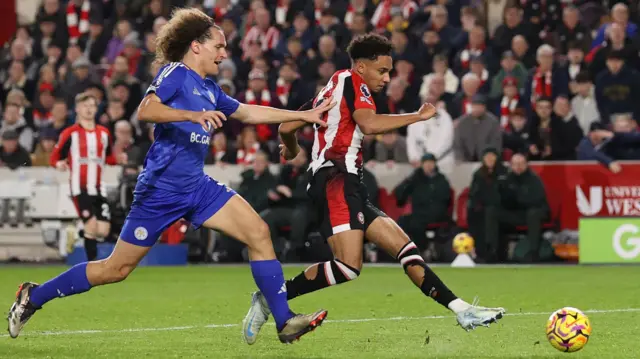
175,161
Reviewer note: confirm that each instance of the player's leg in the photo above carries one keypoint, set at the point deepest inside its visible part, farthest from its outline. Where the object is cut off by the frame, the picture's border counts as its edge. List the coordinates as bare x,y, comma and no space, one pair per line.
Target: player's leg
87,211
219,208
386,234
150,215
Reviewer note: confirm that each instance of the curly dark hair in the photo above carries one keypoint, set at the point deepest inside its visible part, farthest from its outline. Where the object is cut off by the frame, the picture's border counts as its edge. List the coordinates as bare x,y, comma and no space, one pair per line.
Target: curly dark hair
369,46
185,26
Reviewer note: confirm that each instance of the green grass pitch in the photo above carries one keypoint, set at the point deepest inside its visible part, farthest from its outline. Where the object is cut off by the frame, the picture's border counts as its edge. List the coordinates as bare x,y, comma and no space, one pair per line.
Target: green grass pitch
195,312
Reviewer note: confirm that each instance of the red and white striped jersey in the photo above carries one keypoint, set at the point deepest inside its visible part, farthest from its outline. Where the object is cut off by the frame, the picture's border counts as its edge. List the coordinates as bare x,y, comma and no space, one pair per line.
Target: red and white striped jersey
86,151
268,40
340,143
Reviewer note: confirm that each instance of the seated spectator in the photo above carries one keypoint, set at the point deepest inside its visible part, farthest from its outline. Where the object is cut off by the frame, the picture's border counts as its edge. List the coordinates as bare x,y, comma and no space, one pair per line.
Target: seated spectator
60,116
607,147
572,30
543,81
584,102
617,42
570,71
512,26
478,67
620,17
434,136
509,67
429,49
461,104
47,141
124,145
115,112
248,146
484,197
258,94
617,89
12,154
13,121
42,116
476,47
523,52
515,136
391,148
553,138
221,151
430,195
476,132
440,67
399,99
510,100
289,204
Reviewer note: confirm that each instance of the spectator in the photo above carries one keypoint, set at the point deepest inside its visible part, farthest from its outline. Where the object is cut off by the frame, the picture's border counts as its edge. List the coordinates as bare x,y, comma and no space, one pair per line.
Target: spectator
360,24
476,47
17,80
248,146
329,25
289,204
553,138
617,88
42,108
572,30
124,31
60,115
259,94
221,151
618,42
509,67
522,51
484,199
391,148
607,147
437,94
292,91
515,137
543,17
434,136
47,140
476,132
543,81
399,100
95,41
478,67
124,145
429,193
12,154
439,22
461,104
14,122
523,203
386,8
232,35
511,27
263,33
78,14
570,71
510,100
584,102
48,33
429,49
620,17
327,51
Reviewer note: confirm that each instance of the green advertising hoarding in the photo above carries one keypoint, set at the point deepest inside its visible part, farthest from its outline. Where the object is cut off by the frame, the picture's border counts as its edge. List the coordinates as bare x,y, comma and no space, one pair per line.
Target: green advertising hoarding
609,240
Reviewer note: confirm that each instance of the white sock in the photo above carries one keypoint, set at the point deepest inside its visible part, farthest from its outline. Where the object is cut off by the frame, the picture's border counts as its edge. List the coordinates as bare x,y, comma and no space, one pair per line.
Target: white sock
458,305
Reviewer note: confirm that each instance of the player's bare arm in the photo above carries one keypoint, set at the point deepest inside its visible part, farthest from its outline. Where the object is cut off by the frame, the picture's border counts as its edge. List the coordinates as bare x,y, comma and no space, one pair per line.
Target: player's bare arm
152,109
290,148
371,123
255,114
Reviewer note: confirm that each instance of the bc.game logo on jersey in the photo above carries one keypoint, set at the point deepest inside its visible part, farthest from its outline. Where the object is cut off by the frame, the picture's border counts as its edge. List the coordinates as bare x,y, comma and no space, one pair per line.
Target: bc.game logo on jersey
201,139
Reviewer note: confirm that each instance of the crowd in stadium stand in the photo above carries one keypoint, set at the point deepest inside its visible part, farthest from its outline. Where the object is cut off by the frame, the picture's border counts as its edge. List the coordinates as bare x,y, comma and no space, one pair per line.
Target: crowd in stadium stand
553,80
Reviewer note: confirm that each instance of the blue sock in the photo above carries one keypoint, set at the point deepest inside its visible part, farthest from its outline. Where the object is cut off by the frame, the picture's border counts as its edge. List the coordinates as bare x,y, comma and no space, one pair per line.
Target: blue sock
269,278
73,281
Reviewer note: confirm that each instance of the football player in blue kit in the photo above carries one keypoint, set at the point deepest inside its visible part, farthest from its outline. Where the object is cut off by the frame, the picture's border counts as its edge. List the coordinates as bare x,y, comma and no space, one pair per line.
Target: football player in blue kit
185,106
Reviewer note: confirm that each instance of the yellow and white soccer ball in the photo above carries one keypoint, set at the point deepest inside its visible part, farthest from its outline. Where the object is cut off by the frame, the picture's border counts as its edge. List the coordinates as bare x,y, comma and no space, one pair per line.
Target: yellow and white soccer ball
568,329
463,243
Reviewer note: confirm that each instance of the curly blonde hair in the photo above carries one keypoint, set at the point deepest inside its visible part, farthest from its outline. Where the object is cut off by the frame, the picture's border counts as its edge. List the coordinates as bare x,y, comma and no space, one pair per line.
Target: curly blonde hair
185,26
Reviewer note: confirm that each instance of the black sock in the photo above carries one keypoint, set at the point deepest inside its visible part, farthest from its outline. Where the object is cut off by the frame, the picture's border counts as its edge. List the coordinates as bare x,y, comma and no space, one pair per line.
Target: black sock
328,274
431,285
91,248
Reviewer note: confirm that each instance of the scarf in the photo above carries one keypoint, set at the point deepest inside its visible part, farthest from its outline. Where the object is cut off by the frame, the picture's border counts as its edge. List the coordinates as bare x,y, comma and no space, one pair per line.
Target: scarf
282,90
507,105
382,15
77,28
484,76
348,17
247,157
465,55
540,87
281,13
42,118
219,13
263,130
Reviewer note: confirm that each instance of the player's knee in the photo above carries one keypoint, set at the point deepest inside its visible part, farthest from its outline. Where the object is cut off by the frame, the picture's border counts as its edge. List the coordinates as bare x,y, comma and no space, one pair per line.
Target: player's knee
259,236
113,273
352,262
336,272
409,255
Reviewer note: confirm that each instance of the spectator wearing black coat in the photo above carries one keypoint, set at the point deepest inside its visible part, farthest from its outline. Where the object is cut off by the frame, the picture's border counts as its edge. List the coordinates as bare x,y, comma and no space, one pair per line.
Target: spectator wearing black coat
617,89
553,138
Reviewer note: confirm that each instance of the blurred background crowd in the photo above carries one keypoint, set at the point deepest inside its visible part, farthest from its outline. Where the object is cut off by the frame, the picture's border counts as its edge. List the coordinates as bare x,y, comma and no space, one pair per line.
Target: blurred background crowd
519,81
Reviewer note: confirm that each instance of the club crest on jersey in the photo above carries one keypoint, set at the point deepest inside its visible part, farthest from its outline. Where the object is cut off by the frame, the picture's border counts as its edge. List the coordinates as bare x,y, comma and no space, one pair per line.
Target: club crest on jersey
365,90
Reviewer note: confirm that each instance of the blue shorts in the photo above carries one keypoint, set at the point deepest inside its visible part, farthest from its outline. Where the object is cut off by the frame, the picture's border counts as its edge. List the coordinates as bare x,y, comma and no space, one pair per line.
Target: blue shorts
154,210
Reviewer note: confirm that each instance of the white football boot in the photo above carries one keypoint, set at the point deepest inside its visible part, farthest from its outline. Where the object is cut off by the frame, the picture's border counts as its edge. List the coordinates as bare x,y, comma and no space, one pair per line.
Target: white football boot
476,316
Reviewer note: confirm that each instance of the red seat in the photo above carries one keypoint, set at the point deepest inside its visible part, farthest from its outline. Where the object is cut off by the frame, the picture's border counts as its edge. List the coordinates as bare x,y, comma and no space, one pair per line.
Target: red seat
461,209
389,205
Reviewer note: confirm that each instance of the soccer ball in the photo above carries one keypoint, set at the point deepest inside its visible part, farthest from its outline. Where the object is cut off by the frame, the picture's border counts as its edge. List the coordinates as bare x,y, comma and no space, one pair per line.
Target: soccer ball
463,243
568,329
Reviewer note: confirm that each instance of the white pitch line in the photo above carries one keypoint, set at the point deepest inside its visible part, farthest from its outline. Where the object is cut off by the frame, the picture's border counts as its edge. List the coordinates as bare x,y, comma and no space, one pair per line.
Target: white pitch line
361,320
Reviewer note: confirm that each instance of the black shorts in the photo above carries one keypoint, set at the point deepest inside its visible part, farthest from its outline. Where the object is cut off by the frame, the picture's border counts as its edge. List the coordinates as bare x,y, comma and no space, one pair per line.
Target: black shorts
341,202
89,206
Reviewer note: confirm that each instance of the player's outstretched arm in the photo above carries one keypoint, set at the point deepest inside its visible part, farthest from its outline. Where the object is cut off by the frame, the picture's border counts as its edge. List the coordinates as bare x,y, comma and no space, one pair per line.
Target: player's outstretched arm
152,109
371,123
255,114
